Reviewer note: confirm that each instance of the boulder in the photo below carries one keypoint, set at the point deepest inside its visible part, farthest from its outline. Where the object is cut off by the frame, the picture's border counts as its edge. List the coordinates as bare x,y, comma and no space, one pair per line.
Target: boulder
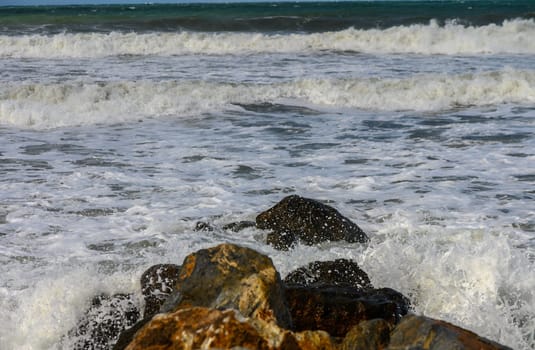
103,321
367,335
157,283
420,332
340,272
337,309
297,219
231,277
206,328
197,328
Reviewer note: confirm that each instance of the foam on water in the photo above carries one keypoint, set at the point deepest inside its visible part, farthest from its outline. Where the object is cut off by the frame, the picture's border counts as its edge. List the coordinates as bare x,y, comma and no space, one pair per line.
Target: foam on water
512,36
444,196
78,103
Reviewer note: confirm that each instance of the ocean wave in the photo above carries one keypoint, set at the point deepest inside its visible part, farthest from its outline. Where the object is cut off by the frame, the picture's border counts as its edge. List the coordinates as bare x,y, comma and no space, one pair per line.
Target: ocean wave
512,36
78,103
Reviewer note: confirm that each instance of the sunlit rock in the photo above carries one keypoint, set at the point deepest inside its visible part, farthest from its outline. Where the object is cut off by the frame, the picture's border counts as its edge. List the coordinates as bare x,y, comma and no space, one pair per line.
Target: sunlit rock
231,277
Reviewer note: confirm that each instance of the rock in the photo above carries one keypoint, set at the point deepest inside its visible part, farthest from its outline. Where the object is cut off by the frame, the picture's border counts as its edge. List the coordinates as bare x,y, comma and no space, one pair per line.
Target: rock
281,240
314,340
197,328
203,227
420,332
337,309
368,335
301,219
157,283
102,323
340,272
231,277
238,226
205,328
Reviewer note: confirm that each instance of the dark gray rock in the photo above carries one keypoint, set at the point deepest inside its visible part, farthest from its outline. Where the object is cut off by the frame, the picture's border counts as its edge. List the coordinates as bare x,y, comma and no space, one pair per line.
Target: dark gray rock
337,309
102,323
340,272
308,221
157,283
238,226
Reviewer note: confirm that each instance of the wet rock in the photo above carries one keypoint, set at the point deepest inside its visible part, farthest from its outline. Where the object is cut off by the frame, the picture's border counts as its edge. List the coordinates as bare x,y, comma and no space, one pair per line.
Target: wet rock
314,340
419,332
281,240
301,219
337,309
196,328
239,226
205,328
368,335
102,323
340,272
231,277
203,227
157,283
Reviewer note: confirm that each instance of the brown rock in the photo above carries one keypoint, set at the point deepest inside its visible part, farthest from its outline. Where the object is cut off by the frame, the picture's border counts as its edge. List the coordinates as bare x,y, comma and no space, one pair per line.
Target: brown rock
314,340
204,328
368,335
419,332
337,309
340,272
157,283
301,219
197,328
231,277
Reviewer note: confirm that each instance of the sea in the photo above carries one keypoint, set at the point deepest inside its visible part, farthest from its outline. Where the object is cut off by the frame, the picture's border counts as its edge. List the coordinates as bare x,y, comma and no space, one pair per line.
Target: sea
123,126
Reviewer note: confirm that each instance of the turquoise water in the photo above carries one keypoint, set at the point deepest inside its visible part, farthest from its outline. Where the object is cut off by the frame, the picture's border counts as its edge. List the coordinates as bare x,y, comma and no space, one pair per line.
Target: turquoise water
263,17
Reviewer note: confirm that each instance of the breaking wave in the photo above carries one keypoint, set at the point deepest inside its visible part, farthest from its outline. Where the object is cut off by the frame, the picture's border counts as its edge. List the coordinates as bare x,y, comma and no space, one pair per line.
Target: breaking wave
512,36
79,103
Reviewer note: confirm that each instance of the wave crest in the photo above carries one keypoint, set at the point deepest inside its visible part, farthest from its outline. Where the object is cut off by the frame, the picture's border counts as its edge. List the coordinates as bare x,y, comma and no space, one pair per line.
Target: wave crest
514,36
78,103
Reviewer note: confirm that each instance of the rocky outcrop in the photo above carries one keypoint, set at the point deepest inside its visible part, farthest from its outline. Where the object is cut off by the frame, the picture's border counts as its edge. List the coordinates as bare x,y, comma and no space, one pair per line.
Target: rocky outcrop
419,332
232,297
340,272
297,219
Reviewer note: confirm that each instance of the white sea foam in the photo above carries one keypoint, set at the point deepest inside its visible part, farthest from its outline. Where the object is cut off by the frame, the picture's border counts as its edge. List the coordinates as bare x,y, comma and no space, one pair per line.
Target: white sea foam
77,103
512,36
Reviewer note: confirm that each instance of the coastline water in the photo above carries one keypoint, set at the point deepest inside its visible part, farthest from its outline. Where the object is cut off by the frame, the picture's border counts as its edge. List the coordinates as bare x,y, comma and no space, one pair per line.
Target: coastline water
122,126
